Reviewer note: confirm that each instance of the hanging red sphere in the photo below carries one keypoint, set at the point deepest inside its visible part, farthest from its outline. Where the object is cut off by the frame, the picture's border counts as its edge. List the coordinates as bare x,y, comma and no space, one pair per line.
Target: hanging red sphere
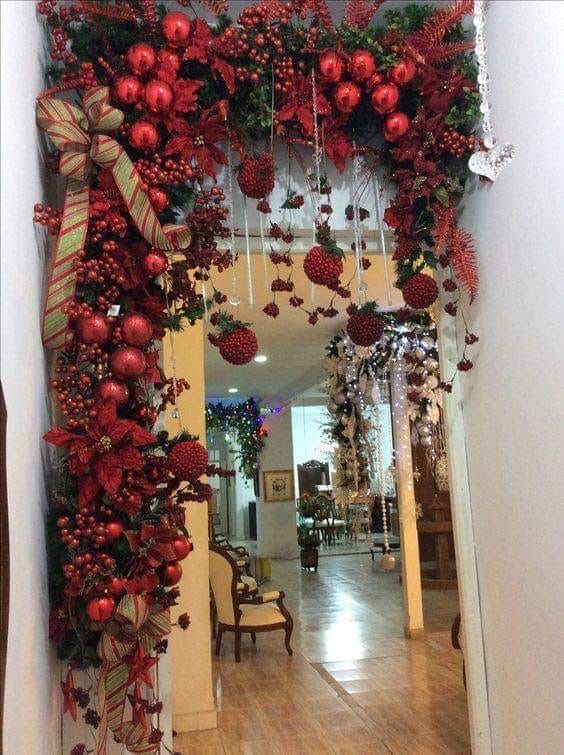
128,90
362,65
155,262
141,58
384,97
128,363
176,28
159,199
114,529
143,135
136,329
346,96
403,72
158,96
101,609
108,388
171,573
115,586
331,66
182,547
395,126
94,329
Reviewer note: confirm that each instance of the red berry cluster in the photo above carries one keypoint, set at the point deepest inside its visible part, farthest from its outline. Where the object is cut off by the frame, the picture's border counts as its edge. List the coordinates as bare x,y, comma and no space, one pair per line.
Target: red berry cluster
256,175
323,268
364,328
420,291
187,460
455,143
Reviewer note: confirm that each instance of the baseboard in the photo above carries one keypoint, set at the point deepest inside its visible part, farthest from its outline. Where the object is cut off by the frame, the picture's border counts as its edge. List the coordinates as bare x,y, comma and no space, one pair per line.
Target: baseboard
204,719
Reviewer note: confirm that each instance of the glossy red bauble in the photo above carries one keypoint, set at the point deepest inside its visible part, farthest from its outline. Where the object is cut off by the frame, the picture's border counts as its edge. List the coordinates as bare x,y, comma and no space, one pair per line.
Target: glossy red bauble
141,58
143,135
395,126
346,96
182,547
403,72
101,609
115,586
108,388
136,329
331,66
114,529
384,97
94,329
176,27
128,90
128,363
159,199
158,96
362,65
155,262
171,573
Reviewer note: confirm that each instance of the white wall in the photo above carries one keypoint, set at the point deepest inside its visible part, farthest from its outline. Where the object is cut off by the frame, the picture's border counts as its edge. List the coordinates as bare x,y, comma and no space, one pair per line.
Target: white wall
31,713
513,405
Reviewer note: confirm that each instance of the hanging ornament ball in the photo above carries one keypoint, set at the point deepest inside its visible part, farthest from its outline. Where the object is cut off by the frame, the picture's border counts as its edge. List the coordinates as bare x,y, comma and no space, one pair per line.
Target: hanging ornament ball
420,291
187,460
182,547
395,126
362,65
141,58
158,96
346,96
403,72
154,263
115,390
331,66
171,573
114,529
176,28
115,586
136,329
159,199
128,363
94,329
387,562
101,609
143,135
128,90
384,97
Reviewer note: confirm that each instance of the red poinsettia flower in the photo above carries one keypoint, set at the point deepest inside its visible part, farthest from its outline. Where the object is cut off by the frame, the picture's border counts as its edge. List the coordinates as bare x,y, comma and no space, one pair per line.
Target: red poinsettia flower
338,148
203,47
298,103
99,454
152,545
198,141
440,87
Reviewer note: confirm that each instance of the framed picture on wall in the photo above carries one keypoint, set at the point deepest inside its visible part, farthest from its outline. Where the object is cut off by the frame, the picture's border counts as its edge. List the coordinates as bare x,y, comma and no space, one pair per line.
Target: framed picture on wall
278,485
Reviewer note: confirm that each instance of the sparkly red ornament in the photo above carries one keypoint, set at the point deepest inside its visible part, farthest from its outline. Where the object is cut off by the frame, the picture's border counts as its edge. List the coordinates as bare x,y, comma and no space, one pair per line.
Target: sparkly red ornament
136,329
403,72
362,65
128,363
155,262
159,199
176,27
395,126
108,388
128,90
143,135
256,175
158,95
323,268
384,97
140,58
101,609
114,529
238,346
346,96
94,329
420,291
115,586
171,573
187,460
331,66
365,326
182,547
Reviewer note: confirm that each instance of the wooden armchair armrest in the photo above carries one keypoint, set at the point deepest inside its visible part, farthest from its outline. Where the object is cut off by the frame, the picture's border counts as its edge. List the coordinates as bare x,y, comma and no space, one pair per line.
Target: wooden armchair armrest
267,597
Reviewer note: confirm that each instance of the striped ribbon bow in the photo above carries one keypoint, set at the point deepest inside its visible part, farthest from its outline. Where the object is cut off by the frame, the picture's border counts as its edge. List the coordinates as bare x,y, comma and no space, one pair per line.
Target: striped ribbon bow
81,137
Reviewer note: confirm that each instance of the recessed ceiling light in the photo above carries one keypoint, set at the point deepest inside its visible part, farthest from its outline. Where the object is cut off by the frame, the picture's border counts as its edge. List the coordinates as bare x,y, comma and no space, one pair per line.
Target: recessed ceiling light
233,390
260,358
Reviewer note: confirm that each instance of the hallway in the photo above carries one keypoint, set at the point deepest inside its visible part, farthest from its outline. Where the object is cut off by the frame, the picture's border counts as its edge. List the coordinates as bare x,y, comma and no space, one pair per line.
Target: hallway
354,684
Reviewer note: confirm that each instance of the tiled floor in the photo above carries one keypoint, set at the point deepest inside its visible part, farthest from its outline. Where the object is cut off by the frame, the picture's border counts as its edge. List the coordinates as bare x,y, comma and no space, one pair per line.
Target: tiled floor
354,684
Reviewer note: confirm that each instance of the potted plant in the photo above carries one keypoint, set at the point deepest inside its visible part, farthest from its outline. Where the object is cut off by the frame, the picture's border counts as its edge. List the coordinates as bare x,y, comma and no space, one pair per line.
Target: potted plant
308,542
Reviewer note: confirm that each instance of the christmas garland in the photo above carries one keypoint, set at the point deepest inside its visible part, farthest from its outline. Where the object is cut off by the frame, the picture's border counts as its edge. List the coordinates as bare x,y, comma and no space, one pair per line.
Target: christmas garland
246,422
144,108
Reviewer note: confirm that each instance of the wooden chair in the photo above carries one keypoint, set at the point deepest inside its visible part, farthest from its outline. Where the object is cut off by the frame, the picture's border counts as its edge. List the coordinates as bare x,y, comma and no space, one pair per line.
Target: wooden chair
311,474
240,613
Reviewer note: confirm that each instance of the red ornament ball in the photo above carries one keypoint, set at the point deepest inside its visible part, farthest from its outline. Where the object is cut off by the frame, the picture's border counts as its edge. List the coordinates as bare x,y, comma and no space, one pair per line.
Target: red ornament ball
239,346
395,126
128,90
187,460
158,96
141,58
420,291
114,529
256,176
176,27
346,96
101,609
384,97
108,388
159,199
322,268
154,263
403,72
128,363
171,573
115,586
143,135
182,547
94,329
136,329
365,328
331,66
362,65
